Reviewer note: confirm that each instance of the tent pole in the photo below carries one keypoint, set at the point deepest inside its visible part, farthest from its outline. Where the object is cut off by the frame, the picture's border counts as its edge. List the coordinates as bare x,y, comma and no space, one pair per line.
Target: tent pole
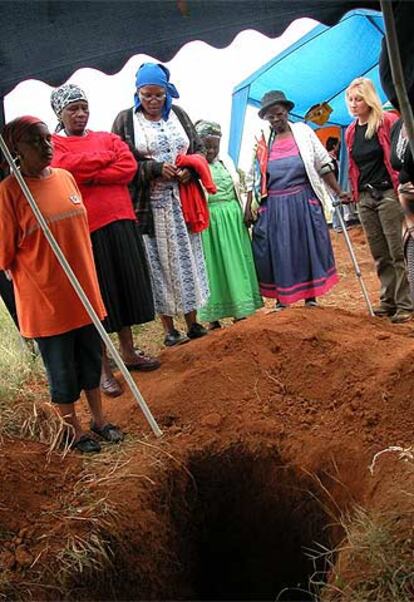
397,71
78,289
2,113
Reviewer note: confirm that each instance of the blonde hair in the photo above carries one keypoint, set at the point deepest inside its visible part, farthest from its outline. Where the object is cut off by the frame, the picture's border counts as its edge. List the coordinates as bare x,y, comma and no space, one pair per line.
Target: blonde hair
366,90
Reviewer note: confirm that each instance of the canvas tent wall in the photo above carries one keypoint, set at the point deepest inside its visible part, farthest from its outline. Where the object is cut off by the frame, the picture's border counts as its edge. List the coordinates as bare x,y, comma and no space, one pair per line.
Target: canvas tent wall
317,68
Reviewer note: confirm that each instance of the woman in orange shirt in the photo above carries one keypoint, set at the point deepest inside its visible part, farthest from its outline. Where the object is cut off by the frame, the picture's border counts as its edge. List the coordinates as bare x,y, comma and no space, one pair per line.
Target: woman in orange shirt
48,308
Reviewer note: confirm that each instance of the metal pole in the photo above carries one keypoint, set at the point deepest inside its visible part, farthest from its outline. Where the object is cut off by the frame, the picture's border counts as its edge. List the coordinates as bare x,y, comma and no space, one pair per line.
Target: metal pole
79,290
336,203
397,71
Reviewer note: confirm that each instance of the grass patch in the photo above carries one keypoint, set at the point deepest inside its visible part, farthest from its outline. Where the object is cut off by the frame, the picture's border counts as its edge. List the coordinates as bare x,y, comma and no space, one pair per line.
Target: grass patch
373,563
22,380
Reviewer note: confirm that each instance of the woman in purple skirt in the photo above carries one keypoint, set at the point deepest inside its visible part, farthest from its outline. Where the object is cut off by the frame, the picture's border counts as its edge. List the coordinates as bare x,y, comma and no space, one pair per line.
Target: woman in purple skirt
291,243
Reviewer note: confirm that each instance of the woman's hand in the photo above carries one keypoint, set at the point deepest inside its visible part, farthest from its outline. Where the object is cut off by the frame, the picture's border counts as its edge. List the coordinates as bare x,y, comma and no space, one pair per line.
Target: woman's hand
169,171
406,197
248,214
345,197
184,175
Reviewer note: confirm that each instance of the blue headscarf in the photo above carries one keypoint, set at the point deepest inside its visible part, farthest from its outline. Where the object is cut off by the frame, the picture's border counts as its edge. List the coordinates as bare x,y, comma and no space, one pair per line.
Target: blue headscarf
152,74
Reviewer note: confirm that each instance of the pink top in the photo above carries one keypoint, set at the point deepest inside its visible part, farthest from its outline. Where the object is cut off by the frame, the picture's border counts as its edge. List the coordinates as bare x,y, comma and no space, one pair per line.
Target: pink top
283,148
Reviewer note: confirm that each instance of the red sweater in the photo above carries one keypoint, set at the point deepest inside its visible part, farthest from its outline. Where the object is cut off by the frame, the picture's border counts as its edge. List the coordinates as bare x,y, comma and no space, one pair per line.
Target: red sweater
384,138
193,199
102,166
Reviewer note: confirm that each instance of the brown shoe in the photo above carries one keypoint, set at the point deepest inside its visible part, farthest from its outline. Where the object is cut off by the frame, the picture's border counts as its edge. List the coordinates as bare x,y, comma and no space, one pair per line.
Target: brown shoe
143,362
110,387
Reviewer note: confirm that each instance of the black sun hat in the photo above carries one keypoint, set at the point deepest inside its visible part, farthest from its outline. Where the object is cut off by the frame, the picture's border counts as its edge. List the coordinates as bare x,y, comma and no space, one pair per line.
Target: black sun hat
274,97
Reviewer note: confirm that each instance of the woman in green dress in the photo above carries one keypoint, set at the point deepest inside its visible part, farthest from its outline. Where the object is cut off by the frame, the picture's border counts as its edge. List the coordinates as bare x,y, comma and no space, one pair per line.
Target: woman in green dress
234,290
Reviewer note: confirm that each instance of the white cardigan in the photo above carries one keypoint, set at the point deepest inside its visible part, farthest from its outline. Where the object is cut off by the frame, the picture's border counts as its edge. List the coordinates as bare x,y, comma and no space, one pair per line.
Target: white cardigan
314,156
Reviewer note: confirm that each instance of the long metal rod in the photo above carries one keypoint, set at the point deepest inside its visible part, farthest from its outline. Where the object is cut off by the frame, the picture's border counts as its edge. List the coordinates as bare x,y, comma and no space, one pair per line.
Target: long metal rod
397,71
337,208
79,290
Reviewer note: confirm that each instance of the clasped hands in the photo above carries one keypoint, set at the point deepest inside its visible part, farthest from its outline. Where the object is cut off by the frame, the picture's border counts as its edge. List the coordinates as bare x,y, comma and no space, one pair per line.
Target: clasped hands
172,172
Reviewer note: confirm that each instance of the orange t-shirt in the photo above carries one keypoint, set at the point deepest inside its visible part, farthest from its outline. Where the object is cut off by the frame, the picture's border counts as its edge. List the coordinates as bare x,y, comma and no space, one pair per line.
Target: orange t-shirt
46,301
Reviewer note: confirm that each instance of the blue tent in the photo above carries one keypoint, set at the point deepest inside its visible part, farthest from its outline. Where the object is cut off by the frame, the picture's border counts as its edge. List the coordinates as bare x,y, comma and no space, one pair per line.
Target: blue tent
315,69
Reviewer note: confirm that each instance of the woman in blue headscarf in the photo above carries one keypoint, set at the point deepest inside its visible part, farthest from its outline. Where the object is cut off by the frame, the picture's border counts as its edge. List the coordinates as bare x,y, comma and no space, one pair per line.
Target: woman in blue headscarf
157,132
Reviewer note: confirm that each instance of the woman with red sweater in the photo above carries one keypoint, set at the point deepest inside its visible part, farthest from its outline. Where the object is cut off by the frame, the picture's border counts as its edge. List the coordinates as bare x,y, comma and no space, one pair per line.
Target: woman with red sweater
103,166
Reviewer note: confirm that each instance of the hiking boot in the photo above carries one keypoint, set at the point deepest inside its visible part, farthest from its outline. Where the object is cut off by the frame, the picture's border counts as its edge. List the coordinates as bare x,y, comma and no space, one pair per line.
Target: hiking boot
401,316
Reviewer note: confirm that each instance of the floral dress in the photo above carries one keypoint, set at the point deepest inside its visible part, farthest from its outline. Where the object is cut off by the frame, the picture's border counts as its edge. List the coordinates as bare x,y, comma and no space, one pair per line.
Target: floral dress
175,255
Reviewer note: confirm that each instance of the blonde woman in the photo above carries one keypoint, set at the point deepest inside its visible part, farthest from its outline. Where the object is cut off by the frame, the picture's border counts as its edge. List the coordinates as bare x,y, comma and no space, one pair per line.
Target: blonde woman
374,183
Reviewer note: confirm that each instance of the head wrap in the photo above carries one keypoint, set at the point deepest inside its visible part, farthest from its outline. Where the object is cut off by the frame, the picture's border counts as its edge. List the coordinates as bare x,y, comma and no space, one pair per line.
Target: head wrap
154,74
15,130
64,96
208,128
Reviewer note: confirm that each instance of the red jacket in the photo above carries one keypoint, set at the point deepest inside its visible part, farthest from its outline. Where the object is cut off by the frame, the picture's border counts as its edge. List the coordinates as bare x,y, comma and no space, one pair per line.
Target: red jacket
193,200
384,138
102,166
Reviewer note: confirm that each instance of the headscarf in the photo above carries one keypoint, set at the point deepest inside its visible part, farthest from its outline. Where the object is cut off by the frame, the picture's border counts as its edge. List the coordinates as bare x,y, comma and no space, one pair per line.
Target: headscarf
208,128
154,74
64,96
15,130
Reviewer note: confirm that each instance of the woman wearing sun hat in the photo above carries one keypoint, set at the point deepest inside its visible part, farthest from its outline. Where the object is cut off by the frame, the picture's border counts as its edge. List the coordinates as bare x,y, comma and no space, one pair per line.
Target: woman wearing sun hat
291,244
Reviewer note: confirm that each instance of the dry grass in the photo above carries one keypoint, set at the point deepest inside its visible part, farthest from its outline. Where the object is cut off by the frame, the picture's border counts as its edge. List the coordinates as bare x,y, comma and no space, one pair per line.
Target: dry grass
377,545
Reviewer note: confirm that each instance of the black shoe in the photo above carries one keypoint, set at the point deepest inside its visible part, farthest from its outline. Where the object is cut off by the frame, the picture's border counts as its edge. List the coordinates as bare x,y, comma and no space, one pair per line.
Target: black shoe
86,445
175,338
384,312
109,432
196,331
280,306
312,302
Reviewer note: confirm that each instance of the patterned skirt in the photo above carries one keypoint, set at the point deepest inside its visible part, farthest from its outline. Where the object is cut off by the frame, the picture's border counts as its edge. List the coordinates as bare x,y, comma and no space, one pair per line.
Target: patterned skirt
178,272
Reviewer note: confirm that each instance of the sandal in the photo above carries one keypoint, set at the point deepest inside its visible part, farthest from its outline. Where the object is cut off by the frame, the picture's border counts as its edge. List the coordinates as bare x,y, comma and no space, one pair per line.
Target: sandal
86,445
109,432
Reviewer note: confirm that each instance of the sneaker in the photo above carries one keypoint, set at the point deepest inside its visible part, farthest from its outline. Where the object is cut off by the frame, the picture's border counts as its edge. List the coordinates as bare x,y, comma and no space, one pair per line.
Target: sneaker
175,337
383,312
311,303
401,316
196,331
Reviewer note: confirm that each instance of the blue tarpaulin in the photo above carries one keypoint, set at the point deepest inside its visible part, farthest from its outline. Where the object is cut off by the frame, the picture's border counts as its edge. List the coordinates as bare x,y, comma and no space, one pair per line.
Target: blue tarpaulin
317,68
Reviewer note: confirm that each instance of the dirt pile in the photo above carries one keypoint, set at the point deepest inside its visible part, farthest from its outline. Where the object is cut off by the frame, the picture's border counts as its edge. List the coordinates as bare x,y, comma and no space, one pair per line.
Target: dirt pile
269,425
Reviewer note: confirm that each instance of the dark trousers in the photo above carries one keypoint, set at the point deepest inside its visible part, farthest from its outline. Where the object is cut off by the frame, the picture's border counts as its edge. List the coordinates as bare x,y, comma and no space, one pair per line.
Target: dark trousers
382,221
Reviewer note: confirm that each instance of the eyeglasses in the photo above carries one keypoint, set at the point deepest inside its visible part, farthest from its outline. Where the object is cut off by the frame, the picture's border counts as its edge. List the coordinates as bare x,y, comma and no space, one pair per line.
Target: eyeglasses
151,96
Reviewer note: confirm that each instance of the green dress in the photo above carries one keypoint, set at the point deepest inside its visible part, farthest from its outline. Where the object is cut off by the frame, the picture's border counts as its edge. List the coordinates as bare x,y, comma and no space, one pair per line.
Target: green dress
234,290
